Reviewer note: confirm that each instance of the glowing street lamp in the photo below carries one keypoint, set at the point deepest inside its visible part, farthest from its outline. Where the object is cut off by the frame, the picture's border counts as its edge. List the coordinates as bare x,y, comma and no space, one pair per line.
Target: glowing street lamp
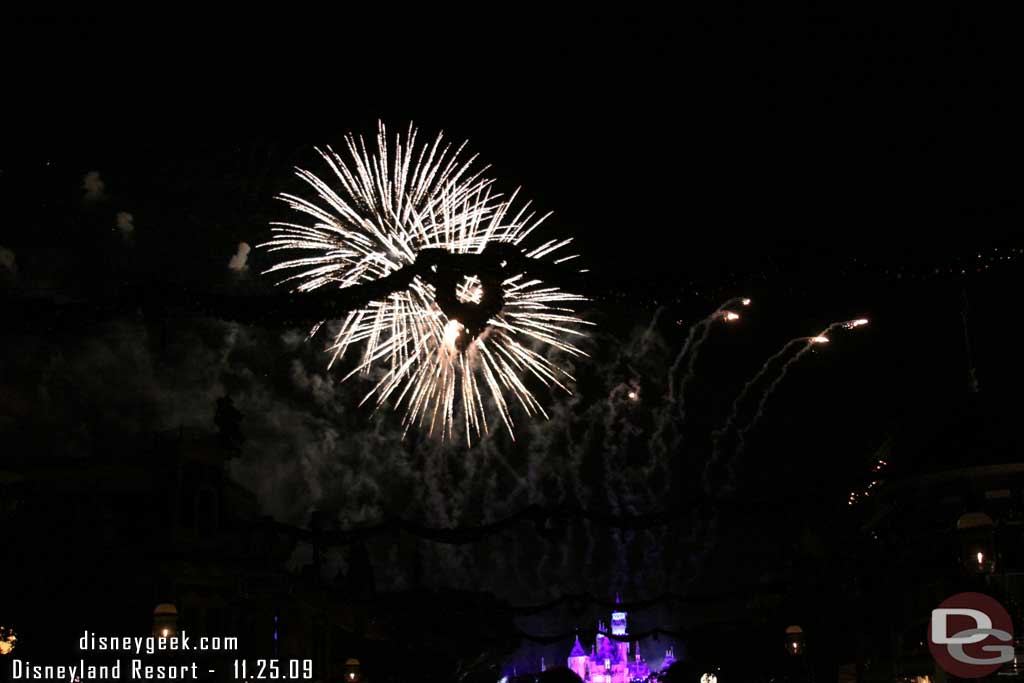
353,670
976,532
165,620
795,643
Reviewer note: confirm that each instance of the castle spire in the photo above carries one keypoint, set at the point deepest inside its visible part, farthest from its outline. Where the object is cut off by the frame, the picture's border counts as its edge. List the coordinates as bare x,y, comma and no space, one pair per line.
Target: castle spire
577,659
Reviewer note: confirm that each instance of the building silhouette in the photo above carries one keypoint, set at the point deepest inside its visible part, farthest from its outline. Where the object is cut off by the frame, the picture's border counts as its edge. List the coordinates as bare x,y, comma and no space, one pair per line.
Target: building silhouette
157,539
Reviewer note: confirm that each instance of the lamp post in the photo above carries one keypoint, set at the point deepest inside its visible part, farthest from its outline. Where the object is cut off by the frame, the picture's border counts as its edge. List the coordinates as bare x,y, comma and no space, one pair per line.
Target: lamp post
977,551
165,620
795,642
353,672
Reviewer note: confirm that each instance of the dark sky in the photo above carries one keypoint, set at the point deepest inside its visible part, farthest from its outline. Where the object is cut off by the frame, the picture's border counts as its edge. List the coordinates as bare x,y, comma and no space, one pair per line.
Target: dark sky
828,166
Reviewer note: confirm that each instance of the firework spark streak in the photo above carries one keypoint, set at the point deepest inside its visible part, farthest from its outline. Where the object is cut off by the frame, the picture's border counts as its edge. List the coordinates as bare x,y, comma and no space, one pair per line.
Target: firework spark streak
734,412
721,313
385,207
674,412
809,343
703,328
695,338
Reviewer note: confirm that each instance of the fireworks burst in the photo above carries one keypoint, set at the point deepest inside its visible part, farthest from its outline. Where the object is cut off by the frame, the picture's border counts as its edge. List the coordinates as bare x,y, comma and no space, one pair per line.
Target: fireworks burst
7,640
444,331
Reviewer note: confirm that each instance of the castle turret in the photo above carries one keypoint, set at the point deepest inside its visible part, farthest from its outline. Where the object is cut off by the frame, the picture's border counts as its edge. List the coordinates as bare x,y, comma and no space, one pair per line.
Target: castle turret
619,629
618,618
578,660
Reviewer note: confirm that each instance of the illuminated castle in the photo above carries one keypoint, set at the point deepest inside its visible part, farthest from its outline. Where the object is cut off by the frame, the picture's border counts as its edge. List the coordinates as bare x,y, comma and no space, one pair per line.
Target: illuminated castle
609,660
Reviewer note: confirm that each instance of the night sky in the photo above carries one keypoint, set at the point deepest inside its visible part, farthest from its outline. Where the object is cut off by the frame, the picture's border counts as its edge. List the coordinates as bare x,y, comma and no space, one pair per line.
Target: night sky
828,167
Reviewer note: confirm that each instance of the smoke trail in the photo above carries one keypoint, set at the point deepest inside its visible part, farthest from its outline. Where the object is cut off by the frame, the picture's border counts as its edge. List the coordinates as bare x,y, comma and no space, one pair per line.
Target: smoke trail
698,326
720,313
667,434
730,423
741,433
695,338
809,343
692,364
752,382
645,338
703,327
719,436
617,435
759,413
667,437
619,426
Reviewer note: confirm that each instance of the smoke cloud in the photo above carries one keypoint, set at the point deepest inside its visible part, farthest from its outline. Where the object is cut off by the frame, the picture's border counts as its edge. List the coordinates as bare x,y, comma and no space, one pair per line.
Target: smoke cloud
93,186
125,222
238,262
8,263
310,446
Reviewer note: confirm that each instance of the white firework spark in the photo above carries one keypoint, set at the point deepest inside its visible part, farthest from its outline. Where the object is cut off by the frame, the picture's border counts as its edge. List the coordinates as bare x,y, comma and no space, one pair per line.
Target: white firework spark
384,205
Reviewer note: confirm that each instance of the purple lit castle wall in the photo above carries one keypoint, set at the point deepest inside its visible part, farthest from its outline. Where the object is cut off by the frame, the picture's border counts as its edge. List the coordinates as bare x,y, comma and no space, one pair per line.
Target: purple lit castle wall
609,660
